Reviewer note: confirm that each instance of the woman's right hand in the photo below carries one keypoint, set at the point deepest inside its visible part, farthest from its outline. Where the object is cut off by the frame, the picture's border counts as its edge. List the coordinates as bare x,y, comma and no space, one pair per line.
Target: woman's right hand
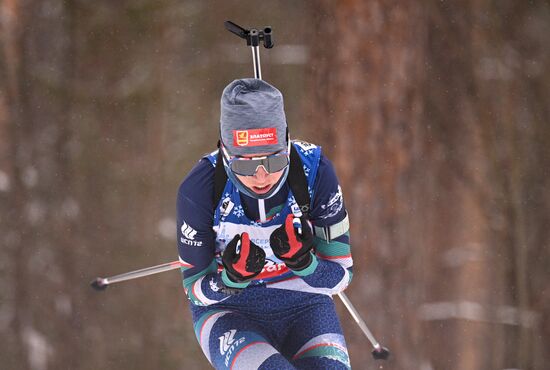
242,260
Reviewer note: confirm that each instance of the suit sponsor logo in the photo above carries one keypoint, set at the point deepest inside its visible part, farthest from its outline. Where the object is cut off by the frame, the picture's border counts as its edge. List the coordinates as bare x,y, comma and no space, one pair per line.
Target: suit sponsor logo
262,242
228,344
188,236
272,266
226,207
226,340
214,285
305,146
334,205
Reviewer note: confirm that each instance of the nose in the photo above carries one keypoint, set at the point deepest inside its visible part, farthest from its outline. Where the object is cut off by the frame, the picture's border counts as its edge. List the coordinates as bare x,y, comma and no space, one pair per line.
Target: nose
261,173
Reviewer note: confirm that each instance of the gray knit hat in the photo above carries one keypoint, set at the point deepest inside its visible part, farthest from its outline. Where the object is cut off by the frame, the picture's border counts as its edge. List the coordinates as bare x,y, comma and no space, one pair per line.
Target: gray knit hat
252,118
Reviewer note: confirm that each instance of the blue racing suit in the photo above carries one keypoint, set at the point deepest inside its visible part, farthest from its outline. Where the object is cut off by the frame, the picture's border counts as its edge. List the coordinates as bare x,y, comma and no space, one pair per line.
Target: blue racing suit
283,319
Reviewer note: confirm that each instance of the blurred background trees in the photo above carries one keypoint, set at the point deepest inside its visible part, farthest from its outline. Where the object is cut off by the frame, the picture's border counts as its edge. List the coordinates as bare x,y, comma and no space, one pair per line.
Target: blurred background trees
435,115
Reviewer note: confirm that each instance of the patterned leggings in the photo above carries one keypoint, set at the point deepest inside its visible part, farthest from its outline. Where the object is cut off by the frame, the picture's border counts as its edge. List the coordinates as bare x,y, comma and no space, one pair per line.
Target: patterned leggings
303,335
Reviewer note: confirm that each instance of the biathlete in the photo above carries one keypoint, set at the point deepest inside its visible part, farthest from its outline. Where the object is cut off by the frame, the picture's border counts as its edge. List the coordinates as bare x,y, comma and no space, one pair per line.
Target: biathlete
263,238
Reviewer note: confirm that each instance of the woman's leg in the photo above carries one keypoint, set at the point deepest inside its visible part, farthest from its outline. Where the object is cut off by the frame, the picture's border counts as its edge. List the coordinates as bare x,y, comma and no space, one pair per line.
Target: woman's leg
230,340
315,340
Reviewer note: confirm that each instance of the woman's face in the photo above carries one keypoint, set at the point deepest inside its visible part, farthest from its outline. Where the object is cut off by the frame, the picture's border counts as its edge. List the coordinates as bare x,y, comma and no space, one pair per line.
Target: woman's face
262,181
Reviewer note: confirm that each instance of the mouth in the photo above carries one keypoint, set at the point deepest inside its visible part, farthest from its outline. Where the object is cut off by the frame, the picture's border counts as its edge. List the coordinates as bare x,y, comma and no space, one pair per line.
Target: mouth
262,189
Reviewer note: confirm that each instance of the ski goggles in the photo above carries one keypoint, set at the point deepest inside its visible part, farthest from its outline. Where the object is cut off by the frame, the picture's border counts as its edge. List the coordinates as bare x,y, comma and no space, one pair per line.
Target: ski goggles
248,166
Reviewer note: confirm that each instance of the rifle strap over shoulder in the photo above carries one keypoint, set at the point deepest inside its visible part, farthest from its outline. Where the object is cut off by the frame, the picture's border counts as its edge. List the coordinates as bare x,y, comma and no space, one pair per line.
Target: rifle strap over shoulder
220,178
298,181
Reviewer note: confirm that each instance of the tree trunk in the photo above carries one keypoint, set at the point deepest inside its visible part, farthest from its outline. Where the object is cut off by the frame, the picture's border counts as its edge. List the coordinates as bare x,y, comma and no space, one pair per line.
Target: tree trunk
404,103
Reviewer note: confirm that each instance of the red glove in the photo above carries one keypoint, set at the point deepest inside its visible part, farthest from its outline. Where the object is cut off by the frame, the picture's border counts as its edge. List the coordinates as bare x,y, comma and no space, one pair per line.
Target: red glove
242,260
292,247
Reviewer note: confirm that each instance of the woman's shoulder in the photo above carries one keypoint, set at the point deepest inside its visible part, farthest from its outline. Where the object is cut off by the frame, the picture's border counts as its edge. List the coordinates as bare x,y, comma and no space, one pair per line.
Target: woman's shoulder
199,182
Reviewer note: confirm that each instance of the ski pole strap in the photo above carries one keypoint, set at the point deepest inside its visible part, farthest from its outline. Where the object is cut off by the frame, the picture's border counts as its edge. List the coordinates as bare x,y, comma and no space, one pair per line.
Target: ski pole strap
331,232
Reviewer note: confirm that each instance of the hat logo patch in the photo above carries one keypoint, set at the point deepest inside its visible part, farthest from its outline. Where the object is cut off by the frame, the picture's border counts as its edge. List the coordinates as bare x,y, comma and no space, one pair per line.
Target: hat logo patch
255,137
241,137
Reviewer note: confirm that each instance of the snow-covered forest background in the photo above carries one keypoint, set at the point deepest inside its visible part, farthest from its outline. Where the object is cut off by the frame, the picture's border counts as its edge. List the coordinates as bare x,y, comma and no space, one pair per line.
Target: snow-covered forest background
435,113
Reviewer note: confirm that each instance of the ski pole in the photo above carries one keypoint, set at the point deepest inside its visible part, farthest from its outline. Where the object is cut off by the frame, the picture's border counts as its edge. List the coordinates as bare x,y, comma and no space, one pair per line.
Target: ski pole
379,352
100,283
